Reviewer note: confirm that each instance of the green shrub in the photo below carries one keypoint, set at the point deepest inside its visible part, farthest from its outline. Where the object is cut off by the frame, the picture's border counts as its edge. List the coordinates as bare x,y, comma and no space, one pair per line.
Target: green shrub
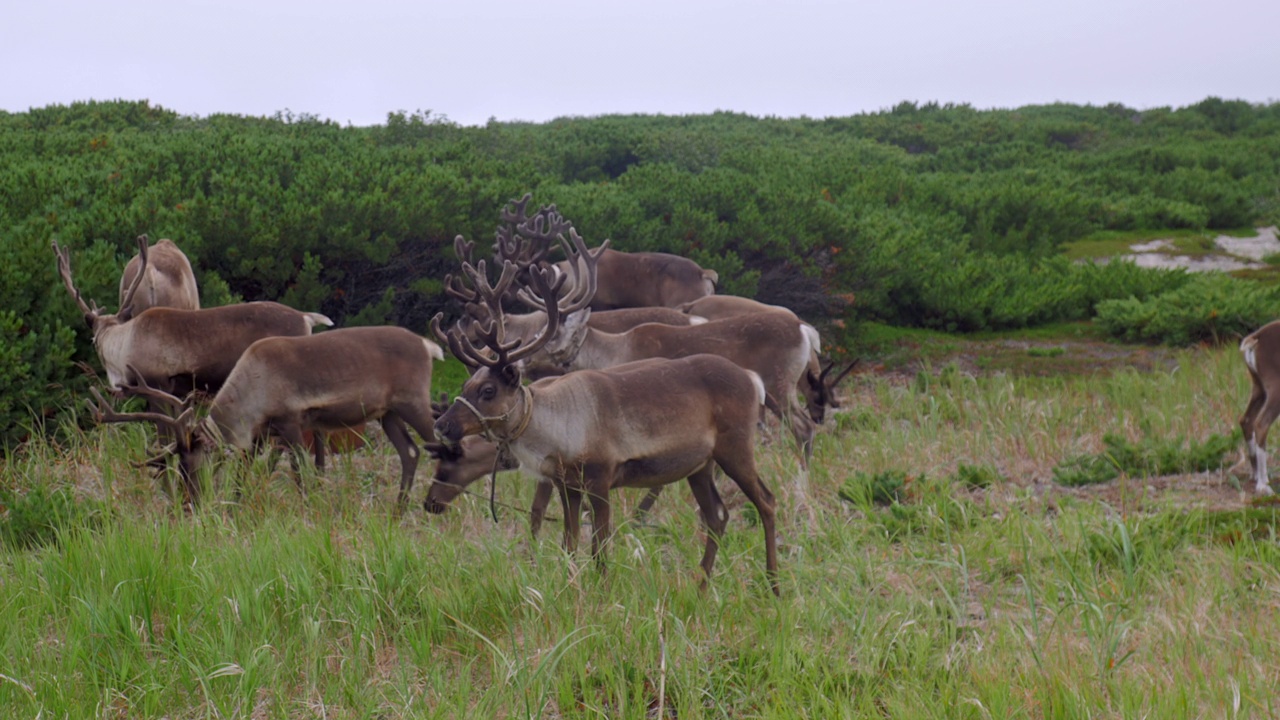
882,488
1147,458
1085,470
1210,307
40,516
976,476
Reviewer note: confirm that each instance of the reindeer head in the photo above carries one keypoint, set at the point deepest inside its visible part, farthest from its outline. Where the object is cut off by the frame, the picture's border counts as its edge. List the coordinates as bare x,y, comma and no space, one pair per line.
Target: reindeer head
493,401
94,317
98,321
191,439
820,390
457,466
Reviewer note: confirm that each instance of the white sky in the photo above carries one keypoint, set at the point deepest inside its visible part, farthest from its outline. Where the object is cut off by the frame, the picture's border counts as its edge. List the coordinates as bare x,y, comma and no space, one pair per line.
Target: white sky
470,60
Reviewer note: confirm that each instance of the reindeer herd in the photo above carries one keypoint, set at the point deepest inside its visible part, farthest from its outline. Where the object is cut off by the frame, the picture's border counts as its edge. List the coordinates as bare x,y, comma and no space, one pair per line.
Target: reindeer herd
625,370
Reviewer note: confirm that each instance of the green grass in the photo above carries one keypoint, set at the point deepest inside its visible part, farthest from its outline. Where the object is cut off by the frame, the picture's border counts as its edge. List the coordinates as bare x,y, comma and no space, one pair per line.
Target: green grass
1110,243
976,590
1050,350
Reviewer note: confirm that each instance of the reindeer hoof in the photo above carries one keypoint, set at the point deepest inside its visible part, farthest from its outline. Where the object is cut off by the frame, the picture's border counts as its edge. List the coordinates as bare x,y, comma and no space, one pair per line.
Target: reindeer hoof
1264,490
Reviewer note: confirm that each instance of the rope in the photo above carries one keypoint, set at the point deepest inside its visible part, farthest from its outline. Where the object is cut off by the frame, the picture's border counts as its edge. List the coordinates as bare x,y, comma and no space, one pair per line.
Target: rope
488,423
499,503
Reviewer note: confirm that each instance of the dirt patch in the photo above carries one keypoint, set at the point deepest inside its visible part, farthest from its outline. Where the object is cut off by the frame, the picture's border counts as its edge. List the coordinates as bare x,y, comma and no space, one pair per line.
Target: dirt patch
1233,253
1215,491
1022,357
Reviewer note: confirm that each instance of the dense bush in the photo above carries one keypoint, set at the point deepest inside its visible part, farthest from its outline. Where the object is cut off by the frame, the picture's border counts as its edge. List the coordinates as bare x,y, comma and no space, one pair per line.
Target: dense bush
927,215
1206,308
39,516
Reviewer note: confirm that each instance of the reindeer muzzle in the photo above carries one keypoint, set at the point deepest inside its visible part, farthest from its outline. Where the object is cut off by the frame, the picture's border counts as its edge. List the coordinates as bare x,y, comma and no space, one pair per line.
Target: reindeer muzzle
447,430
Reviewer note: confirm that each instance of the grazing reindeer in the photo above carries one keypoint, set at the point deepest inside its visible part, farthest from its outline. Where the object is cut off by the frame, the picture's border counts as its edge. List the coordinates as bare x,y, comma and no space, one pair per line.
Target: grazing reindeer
647,424
776,346
458,466
330,381
180,350
1261,351
167,279
817,386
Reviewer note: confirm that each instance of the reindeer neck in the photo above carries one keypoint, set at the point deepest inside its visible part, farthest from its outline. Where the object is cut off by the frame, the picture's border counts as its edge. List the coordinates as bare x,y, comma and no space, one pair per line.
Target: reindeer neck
600,350
232,418
558,426
113,340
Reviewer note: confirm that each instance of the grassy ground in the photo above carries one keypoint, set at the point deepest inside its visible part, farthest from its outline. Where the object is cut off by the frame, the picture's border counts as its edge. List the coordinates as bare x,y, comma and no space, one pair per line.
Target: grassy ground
1147,597
1109,243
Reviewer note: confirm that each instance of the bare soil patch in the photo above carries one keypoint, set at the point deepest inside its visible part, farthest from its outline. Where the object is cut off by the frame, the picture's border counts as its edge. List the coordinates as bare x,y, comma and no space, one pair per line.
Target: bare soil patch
1232,253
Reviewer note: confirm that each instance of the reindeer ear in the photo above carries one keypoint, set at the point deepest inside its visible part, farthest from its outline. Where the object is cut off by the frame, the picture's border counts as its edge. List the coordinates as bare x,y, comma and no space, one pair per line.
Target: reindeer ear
573,332
511,374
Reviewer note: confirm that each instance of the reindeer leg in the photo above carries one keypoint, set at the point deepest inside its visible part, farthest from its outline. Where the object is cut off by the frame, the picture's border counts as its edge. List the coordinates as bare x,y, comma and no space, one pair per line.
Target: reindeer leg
291,434
803,429
1256,400
398,434
714,515
320,440
541,496
601,518
651,497
571,502
1261,425
738,462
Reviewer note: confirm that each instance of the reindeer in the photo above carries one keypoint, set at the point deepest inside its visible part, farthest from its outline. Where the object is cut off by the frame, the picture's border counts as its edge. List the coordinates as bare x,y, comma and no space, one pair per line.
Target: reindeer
643,279
285,385
527,325
167,279
626,279
458,466
774,345
647,424
817,386
179,350
1261,350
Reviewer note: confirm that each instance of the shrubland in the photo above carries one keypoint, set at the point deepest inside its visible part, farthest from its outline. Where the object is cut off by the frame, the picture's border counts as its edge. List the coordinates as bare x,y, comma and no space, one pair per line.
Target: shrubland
929,216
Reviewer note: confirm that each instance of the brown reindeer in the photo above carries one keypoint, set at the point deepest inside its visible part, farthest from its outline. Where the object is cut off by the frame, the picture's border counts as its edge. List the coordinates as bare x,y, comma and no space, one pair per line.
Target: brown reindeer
817,386
624,279
776,346
167,279
647,424
642,279
284,385
1261,350
180,350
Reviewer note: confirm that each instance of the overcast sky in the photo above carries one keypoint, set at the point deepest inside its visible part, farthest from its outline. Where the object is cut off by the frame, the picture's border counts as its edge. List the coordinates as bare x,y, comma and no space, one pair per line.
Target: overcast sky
471,60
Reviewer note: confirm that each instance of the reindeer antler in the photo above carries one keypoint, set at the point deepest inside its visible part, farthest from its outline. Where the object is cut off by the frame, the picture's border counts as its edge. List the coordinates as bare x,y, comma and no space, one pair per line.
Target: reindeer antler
64,270
107,414
827,387
582,262
526,241
126,304
454,286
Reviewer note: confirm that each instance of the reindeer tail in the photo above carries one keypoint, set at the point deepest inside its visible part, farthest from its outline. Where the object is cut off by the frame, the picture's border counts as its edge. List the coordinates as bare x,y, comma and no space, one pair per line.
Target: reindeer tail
314,319
1249,347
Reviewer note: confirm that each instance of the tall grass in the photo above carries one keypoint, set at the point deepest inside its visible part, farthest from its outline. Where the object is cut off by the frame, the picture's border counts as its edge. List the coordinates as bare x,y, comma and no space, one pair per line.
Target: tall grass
1015,600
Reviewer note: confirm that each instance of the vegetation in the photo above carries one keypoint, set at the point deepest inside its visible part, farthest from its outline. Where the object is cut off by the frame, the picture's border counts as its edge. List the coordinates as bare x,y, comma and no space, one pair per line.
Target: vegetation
979,590
1147,458
925,216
